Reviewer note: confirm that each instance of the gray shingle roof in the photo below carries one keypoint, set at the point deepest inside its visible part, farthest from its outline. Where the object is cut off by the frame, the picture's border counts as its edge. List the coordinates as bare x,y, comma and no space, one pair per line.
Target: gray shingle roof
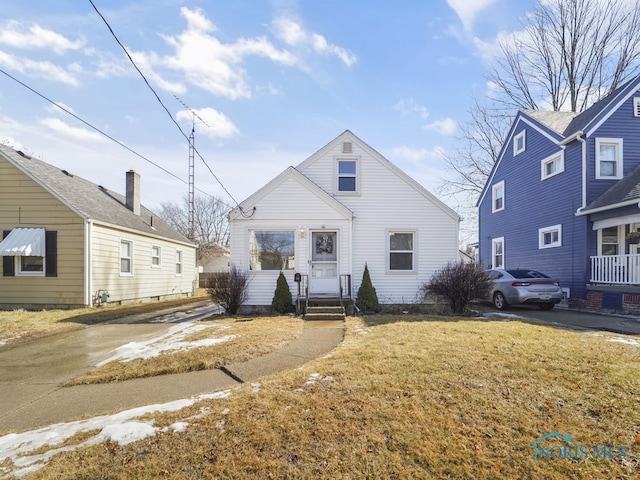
91,201
623,190
556,121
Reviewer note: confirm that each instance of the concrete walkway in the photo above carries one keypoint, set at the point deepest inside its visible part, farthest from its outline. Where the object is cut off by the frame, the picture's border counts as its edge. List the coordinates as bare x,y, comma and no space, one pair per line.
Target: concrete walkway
32,403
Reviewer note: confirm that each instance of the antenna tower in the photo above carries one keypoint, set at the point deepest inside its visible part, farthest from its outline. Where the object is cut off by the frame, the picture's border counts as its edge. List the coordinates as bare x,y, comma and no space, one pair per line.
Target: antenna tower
192,209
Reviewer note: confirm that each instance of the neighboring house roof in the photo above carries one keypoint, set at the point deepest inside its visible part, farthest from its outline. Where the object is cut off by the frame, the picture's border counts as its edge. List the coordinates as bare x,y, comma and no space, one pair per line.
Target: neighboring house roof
88,200
582,120
556,121
623,192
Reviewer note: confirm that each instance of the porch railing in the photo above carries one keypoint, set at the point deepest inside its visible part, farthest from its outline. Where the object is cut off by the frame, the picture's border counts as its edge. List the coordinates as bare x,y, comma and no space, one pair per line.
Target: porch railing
616,269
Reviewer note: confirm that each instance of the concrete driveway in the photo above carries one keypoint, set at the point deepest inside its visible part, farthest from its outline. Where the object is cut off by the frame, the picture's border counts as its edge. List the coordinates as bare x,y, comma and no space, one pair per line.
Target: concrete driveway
35,369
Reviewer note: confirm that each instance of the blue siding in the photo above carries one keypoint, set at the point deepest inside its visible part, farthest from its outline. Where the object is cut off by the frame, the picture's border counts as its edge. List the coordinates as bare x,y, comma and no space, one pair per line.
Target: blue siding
531,204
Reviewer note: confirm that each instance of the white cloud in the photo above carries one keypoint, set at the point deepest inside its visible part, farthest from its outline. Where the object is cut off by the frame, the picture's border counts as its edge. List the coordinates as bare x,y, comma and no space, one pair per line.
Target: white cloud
37,69
70,132
13,33
468,10
446,126
294,35
418,155
408,106
206,62
213,123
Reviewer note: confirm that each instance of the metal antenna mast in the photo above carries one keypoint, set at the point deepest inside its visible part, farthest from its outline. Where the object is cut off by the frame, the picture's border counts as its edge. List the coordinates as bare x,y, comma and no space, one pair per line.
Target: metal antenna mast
192,209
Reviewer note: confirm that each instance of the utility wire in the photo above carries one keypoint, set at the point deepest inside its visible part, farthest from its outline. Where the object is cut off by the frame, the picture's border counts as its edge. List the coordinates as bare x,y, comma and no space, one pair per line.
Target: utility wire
101,132
163,105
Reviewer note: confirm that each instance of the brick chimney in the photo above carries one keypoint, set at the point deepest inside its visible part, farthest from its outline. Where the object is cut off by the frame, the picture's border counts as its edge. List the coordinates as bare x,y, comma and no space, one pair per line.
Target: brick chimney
133,192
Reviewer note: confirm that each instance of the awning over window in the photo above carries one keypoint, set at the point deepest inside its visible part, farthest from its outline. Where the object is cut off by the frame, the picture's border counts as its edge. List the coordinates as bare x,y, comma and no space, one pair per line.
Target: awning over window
25,242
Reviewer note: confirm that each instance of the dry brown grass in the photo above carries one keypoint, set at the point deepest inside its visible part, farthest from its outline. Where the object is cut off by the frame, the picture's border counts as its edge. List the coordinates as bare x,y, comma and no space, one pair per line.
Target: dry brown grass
253,338
404,399
20,325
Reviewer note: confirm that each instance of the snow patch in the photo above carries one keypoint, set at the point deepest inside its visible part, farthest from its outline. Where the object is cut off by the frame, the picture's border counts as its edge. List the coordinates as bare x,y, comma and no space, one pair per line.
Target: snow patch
313,379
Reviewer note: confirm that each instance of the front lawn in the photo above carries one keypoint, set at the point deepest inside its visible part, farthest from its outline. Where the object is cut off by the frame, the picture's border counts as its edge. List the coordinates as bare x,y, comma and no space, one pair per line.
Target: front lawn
406,397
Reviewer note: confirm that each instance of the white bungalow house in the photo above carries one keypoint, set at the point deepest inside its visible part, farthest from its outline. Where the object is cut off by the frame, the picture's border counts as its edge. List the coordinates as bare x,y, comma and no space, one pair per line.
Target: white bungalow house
67,242
344,207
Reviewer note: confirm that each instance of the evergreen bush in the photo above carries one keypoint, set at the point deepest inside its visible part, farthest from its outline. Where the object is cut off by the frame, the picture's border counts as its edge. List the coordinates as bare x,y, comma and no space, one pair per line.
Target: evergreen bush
282,301
367,298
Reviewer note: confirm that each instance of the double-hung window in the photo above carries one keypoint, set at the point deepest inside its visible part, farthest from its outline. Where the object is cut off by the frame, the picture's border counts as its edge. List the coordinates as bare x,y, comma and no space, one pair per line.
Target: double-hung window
550,237
609,158
401,251
126,257
347,176
178,262
497,252
497,197
156,256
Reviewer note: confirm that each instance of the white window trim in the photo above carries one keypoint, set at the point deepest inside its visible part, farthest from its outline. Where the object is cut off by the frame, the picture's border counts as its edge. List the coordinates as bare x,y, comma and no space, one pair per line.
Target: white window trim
159,256
619,159
494,198
516,139
543,231
414,252
636,106
494,242
179,261
337,175
120,257
20,273
550,159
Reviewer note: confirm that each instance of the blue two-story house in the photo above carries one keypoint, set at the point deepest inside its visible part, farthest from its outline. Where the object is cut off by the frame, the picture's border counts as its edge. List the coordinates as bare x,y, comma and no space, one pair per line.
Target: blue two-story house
564,196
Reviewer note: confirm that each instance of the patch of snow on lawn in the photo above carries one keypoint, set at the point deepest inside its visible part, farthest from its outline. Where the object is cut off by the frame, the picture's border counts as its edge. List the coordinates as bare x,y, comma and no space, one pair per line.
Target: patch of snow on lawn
173,340
120,427
507,316
313,379
627,341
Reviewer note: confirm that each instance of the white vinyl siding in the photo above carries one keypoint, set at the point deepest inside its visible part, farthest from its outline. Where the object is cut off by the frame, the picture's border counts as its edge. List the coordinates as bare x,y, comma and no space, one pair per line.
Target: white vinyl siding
520,143
550,237
497,253
497,197
609,158
552,166
388,201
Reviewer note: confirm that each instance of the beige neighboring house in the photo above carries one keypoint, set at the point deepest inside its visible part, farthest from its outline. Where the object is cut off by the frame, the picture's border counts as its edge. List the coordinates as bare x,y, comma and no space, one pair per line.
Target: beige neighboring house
67,242
213,258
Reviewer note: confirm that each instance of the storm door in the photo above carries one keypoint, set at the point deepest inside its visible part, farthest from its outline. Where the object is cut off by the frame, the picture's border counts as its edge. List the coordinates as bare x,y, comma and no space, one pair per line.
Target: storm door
324,263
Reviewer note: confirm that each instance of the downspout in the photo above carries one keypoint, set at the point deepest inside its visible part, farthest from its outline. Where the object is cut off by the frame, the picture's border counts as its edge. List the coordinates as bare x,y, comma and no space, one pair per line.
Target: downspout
584,169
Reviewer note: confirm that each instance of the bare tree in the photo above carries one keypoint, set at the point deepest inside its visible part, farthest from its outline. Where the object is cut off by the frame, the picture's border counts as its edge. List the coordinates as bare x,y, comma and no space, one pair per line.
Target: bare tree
210,219
570,54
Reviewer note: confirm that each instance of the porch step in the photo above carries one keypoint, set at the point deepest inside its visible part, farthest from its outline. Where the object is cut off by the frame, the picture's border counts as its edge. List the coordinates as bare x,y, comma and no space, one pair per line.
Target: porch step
325,313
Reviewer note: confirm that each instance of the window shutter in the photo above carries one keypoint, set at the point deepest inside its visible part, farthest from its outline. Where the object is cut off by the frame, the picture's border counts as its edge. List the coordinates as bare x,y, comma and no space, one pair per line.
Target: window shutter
51,253
8,263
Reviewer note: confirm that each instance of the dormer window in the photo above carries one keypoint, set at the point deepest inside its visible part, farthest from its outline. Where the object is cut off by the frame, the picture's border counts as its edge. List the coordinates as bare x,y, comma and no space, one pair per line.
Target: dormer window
519,143
347,176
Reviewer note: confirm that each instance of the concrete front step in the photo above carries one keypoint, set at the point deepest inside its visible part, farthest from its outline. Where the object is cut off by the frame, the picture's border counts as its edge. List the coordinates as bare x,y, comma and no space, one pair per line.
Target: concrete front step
324,313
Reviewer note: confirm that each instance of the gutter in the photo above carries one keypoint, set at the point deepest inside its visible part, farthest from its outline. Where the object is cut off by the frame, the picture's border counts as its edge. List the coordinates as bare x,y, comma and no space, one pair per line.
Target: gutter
626,203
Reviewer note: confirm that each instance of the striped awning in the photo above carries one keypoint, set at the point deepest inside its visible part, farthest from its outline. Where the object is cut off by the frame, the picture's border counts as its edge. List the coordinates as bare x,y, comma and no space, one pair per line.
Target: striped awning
25,242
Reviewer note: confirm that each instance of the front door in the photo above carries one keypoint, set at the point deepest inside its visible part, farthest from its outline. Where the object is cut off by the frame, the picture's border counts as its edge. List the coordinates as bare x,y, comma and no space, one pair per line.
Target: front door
324,263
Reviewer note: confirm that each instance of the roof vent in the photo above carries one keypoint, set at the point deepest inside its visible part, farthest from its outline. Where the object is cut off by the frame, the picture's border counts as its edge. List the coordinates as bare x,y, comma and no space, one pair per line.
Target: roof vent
67,173
347,147
102,188
21,153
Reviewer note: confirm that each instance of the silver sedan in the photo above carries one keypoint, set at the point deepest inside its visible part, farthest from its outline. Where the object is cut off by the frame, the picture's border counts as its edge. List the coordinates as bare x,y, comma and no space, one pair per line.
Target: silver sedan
523,287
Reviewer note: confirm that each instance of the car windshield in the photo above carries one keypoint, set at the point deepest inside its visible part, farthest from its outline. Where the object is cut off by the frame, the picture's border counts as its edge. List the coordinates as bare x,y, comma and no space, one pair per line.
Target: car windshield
526,274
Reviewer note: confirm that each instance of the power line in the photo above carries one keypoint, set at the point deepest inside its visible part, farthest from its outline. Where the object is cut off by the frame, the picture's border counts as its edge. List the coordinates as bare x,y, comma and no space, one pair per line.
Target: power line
165,108
101,132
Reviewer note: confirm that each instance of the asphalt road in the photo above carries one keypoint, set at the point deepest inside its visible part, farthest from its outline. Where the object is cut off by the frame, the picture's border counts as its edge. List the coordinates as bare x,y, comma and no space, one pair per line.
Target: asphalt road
624,324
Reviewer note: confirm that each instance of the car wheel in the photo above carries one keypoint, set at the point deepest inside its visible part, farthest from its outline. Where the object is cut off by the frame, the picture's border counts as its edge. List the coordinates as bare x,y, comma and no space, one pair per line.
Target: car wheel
499,301
546,306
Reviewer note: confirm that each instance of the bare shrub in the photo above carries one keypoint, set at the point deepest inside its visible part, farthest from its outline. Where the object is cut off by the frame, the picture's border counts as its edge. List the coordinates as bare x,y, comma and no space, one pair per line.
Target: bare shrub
229,289
460,284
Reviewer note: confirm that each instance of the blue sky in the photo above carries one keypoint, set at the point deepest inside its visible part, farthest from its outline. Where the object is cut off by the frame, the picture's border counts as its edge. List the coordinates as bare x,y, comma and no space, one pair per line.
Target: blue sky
272,81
